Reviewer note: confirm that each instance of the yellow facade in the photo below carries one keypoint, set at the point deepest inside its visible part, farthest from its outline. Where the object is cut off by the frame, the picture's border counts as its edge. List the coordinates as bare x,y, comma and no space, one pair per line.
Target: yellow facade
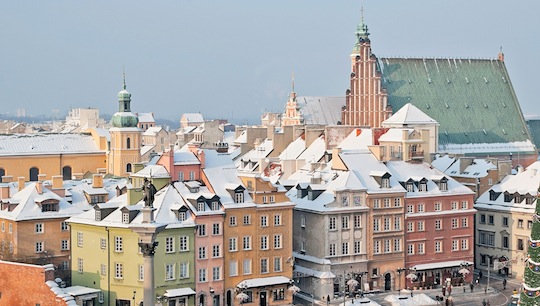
125,150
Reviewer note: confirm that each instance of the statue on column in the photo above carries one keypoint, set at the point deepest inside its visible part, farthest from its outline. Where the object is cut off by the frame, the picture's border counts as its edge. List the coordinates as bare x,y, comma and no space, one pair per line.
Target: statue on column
149,191
148,249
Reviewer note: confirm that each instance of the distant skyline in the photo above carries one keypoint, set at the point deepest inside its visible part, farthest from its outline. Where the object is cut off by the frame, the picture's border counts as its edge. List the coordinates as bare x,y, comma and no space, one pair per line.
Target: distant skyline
234,59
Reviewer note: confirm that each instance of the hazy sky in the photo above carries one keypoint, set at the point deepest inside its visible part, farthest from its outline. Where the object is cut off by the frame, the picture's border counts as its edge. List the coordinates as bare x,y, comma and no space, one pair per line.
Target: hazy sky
233,59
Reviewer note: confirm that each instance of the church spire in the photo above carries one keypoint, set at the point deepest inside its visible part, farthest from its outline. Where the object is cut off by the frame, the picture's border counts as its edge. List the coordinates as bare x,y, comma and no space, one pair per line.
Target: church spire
292,76
362,29
501,55
124,77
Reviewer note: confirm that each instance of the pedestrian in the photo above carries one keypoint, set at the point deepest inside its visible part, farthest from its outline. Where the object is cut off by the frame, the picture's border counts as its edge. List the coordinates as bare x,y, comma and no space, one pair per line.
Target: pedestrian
484,303
472,286
504,284
480,275
443,291
447,302
477,280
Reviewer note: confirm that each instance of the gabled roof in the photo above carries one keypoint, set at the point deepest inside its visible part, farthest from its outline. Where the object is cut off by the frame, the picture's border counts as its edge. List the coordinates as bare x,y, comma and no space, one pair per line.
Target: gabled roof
409,115
152,171
34,144
473,100
320,110
146,117
185,158
152,131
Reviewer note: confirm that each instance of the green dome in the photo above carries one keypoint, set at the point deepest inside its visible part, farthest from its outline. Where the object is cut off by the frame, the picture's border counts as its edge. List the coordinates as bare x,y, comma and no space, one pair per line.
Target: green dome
124,119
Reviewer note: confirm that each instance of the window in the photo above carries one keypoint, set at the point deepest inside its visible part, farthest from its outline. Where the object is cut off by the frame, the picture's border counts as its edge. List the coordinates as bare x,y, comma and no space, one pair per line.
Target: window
39,247
438,224
454,205
376,224
302,221
277,241
191,175
464,222
357,221
264,242
397,202
233,244
64,226
247,219
357,247
184,270
421,247
464,244
332,249
420,208
202,275
438,206
443,186
455,246
410,249
345,222
386,223
505,242
238,197
247,243
182,216
520,223
215,205
103,243
438,246
65,245
487,238
520,244
64,266
247,266
420,226
80,265
118,245
277,219
410,187
385,183
529,224
397,245
169,272
376,203
386,202
505,221
200,206
345,248
79,239
397,223
202,252
119,270
232,221
3,226
264,265
184,243
233,268
10,228
454,223
216,273
410,226
464,205
169,244
216,229
387,245
201,230
38,228
277,264
264,198
332,223
410,209
264,221
490,219
125,218
376,247
140,274
422,187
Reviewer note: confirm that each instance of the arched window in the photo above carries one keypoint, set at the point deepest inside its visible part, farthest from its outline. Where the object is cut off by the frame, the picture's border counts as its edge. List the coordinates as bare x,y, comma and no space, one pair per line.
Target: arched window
66,173
2,173
128,143
34,174
128,168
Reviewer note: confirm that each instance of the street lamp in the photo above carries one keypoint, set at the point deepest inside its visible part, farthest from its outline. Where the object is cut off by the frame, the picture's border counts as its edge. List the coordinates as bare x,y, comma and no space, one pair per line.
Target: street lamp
399,270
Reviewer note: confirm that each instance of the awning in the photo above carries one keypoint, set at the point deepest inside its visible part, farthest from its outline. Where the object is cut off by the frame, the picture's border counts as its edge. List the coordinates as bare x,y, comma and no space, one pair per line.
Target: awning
311,272
179,292
441,265
263,281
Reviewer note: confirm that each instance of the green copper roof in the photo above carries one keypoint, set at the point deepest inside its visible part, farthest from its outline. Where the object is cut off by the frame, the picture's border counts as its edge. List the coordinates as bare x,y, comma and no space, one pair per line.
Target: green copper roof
473,100
534,129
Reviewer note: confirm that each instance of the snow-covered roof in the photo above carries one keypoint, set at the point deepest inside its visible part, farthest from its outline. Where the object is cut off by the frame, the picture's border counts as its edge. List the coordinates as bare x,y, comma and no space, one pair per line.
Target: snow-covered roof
418,299
28,208
441,264
312,272
255,155
146,148
179,292
315,151
501,147
146,117
35,144
293,150
358,139
409,115
75,191
152,131
152,171
192,117
320,110
185,158
395,135
478,168
263,281
242,138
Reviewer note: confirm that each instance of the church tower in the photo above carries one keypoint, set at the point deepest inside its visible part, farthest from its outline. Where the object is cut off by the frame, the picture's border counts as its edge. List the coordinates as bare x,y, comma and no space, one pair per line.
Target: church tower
366,101
125,147
292,114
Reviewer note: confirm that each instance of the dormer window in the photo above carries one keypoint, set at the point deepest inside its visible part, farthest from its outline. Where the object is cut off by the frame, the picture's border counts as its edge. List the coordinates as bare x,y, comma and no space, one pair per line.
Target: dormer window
410,187
507,197
529,200
238,197
182,216
443,186
125,217
200,206
49,205
494,195
422,185
385,182
215,205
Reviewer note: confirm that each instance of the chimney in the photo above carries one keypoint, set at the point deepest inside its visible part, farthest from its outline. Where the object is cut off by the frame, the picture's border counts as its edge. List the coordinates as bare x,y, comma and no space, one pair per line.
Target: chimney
201,158
39,187
20,182
97,181
4,192
102,170
42,177
78,176
58,185
7,178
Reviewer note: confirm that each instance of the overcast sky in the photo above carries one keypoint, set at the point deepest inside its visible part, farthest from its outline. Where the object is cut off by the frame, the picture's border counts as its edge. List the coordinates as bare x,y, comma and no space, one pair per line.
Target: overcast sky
234,59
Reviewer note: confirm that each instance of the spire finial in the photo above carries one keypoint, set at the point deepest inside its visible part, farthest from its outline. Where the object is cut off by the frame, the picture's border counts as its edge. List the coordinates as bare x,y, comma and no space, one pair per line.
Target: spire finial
362,14
124,76
501,55
292,76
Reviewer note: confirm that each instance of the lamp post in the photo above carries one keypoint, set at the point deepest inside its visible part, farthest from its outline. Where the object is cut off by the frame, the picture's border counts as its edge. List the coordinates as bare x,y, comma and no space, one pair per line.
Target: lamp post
399,270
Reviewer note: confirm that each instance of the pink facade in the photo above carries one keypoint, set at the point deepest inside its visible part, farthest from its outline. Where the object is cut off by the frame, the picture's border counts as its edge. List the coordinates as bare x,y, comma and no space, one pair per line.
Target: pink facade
181,171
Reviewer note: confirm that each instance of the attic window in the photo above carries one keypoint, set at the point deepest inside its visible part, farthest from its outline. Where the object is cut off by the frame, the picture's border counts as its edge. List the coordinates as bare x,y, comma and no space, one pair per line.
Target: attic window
385,182
238,197
493,195
422,187
410,187
443,185
51,205
98,215
182,216
125,217
200,206
215,205
507,197
529,200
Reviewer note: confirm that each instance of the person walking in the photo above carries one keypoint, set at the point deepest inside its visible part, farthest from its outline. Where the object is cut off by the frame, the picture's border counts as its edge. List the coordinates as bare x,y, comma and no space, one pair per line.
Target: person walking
472,286
480,275
504,284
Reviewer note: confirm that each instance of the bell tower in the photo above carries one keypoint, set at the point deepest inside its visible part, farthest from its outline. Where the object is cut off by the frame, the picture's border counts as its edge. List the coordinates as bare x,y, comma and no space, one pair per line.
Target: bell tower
366,101
125,147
